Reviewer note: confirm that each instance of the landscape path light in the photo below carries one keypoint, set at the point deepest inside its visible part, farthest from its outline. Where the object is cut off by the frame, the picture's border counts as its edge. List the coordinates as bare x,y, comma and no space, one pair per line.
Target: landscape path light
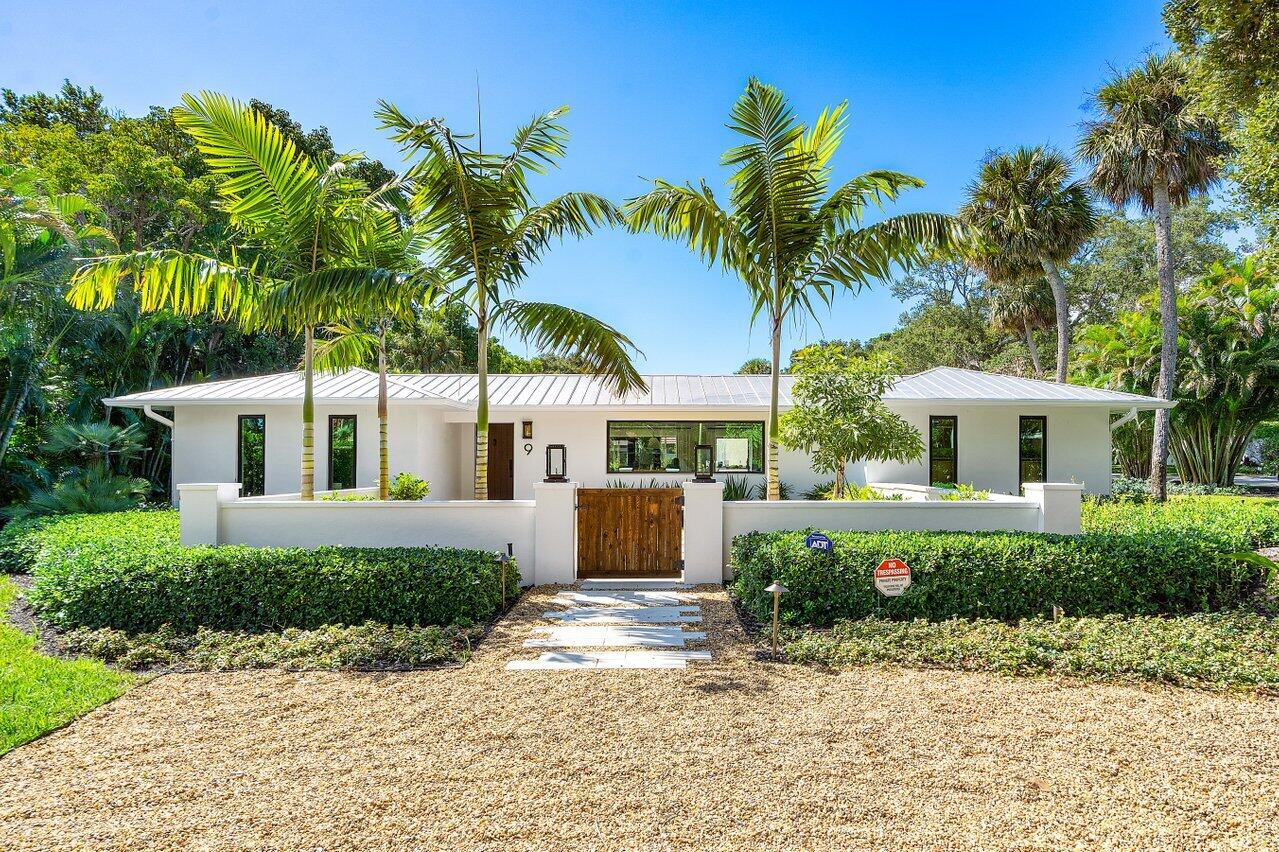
778,590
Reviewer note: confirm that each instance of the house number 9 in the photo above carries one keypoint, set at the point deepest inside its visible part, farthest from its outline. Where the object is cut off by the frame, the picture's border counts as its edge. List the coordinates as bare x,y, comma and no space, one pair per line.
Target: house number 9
528,449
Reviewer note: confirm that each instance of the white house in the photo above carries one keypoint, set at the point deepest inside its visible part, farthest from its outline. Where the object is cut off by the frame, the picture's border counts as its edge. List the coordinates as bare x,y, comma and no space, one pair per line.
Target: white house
993,431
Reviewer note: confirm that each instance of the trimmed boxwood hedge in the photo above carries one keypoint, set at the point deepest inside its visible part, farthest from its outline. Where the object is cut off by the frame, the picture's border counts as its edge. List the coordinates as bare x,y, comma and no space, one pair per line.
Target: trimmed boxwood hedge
1005,576
127,571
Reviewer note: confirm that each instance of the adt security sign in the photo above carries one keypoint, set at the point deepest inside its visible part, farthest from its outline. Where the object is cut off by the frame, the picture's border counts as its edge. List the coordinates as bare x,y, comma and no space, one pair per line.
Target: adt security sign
892,577
819,542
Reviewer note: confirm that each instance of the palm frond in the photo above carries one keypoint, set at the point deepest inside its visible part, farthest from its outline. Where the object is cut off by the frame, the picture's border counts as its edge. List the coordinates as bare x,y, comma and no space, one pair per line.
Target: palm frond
339,293
167,279
691,215
345,345
555,328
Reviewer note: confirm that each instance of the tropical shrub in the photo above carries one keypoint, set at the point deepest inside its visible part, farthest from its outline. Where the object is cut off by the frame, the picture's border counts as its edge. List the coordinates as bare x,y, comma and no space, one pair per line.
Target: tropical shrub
851,491
1005,576
127,571
83,491
963,491
1138,490
406,486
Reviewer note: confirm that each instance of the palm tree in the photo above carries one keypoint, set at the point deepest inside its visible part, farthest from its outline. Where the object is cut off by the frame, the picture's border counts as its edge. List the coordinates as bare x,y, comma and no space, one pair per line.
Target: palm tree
1029,216
486,232
1021,307
296,221
791,240
1152,145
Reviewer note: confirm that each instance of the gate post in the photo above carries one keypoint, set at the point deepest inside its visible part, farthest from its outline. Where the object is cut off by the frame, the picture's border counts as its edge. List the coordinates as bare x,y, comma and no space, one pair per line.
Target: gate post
554,532
198,507
703,532
1059,505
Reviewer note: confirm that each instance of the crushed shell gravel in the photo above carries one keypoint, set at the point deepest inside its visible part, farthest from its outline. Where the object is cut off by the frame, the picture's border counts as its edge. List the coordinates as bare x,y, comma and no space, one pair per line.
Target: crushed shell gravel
733,754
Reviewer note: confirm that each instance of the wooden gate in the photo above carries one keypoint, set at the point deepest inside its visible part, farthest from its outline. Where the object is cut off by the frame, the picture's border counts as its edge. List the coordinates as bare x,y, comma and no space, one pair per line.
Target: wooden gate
630,532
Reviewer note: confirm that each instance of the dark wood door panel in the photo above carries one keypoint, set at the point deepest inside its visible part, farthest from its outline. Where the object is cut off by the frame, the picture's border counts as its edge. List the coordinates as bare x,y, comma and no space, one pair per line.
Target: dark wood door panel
630,532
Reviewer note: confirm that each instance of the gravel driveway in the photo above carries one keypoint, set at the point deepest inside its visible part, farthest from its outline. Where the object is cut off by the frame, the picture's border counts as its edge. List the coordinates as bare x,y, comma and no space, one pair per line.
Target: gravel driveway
729,755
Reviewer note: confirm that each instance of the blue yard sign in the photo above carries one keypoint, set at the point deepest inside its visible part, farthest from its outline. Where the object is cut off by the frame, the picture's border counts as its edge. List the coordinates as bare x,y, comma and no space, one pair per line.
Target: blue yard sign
819,542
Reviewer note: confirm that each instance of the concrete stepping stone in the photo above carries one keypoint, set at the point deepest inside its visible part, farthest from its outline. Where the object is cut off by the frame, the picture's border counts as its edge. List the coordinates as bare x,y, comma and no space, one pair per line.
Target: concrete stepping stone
648,614
611,660
595,637
621,598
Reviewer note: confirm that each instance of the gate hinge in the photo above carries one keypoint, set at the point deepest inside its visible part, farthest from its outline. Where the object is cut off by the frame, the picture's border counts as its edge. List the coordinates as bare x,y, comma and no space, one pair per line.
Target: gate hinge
679,501
679,563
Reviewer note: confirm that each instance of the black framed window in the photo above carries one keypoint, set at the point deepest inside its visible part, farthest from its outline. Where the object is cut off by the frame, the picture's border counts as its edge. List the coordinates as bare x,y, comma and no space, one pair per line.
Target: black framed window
341,451
943,449
1032,449
667,446
250,454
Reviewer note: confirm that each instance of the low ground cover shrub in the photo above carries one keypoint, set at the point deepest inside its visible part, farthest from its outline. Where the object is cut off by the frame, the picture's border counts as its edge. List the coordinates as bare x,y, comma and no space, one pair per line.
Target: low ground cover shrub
1224,650
127,571
369,646
852,491
1006,576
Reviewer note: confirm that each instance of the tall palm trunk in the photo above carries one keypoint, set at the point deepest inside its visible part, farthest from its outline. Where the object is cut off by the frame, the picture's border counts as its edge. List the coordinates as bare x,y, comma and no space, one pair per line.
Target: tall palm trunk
1168,347
383,460
307,489
1034,350
774,492
482,413
15,413
1063,316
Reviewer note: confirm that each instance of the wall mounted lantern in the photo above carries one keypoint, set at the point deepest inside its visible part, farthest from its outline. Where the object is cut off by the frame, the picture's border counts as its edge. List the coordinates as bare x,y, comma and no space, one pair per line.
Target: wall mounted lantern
704,463
556,463
527,429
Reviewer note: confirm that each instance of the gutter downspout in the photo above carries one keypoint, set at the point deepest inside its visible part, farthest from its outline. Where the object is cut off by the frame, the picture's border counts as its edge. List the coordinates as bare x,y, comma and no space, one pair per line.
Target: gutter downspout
1130,416
160,418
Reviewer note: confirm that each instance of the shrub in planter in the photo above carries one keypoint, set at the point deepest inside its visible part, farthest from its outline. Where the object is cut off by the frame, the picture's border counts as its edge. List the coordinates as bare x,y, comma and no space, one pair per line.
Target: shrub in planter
992,575
127,571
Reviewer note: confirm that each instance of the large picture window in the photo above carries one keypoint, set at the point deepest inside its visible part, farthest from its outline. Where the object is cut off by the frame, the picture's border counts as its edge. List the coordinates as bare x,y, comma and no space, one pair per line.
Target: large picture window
250,459
341,451
1032,449
668,446
943,450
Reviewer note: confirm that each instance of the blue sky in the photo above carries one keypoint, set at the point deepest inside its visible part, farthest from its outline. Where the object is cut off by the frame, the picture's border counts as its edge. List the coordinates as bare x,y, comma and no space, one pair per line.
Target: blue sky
931,88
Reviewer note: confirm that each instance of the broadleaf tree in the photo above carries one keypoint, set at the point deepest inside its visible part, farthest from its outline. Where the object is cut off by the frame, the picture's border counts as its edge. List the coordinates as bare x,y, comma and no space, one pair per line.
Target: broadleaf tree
838,415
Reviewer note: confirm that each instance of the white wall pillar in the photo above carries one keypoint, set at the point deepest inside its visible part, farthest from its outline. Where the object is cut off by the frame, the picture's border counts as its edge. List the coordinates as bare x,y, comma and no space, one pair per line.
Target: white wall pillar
198,504
703,532
554,534
1059,505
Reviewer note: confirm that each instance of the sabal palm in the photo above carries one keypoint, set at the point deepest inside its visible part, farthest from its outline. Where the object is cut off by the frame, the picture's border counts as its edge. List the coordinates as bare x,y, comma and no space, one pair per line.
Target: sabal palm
296,221
1022,306
793,242
1029,216
487,231
1152,145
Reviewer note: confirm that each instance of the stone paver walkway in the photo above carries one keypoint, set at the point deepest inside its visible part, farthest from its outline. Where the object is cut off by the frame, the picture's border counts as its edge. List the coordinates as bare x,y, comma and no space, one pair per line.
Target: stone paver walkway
644,616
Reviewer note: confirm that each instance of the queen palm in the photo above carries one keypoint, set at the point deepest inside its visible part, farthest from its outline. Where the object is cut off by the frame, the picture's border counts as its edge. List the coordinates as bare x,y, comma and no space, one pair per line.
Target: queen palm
1152,145
1030,217
791,240
295,221
486,231
1022,306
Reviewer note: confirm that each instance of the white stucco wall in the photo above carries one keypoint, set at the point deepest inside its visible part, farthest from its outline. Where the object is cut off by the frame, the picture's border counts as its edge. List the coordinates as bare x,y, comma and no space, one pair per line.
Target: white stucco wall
437,444
1078,446
418,441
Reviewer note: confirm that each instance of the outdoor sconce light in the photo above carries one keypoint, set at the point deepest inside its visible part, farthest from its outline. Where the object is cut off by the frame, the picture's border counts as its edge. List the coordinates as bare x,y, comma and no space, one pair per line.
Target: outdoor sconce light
527,429
704,463
556,463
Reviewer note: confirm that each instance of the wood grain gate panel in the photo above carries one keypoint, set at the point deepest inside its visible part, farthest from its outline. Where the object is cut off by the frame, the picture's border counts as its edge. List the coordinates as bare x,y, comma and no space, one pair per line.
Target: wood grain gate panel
630,532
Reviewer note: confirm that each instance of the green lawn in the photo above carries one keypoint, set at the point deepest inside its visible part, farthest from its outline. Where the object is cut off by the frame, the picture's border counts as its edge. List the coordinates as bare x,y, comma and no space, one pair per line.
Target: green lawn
39,693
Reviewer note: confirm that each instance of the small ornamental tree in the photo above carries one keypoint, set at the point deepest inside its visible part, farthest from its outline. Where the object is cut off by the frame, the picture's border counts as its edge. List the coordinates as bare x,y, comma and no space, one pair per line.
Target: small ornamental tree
838,415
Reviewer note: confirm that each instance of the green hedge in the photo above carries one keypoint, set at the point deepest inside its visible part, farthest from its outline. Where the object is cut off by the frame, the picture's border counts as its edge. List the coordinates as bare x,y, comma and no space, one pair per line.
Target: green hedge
127,571
1005,576
1228,523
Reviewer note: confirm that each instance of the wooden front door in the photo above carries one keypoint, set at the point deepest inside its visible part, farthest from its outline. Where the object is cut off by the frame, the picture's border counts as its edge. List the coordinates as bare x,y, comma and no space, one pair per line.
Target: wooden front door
501,461
630,532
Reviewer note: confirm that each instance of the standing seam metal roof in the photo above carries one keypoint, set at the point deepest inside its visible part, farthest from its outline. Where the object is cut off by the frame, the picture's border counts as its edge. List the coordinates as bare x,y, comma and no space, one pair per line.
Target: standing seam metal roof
939,384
